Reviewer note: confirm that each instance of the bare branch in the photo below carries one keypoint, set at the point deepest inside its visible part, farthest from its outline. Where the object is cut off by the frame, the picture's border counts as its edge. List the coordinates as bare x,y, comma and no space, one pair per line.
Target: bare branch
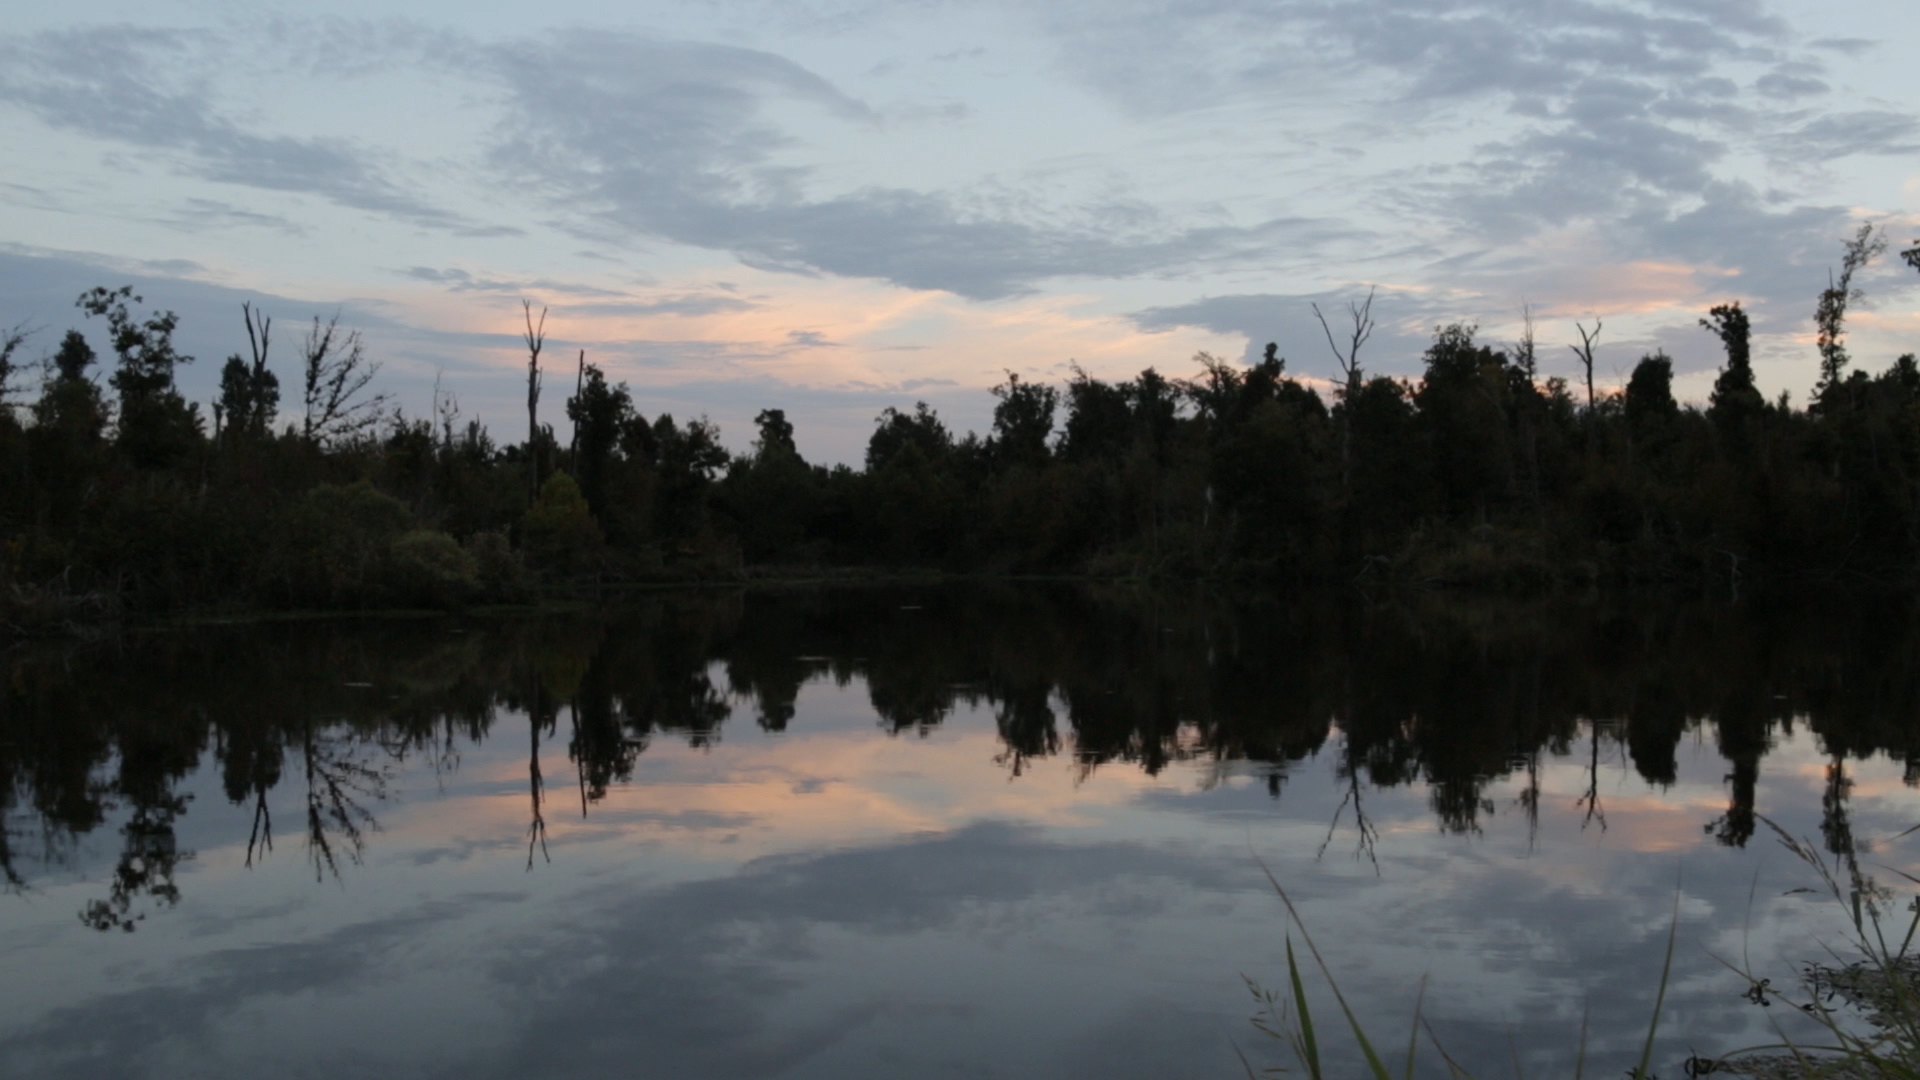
579,382
1584,351
1830,314
1362,316
10,341
1524,350
336,372
446,405
257,334
536,336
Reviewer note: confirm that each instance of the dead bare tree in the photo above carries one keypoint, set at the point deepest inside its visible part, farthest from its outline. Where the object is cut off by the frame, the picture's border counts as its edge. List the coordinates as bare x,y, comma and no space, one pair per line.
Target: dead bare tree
248,391
1523,350
337,372
1584,351
446,407
535,337
579,383
10,341
1362,316
1525,357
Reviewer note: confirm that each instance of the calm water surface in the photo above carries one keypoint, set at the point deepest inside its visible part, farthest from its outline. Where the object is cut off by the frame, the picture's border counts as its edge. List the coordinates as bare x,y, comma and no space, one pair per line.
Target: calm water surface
927,832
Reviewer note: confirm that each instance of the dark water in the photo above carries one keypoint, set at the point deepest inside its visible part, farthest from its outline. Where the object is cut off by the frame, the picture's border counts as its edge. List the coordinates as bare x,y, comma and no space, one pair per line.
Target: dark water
968,831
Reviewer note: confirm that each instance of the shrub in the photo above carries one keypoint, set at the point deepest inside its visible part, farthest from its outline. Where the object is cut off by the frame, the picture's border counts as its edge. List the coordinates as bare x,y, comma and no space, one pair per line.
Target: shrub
501,574
335,544
561,535
430,569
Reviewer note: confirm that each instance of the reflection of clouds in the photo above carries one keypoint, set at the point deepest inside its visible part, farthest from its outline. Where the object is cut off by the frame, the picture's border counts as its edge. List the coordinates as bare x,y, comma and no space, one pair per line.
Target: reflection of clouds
856,951
706,978
707,974
173,1025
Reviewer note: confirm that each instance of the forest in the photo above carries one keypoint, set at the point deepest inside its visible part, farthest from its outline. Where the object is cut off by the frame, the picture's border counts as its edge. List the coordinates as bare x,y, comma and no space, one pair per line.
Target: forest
1480,473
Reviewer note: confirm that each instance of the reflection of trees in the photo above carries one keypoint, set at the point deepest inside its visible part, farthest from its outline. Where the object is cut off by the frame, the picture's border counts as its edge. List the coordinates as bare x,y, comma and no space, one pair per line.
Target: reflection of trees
145,868
1366,836
1457,698
1028,729
345,770
1589,803
1529,800
537,826
1743,737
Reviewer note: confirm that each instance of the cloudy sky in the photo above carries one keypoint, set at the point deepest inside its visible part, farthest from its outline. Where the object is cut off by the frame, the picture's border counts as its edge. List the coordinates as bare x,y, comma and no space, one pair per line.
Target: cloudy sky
833,207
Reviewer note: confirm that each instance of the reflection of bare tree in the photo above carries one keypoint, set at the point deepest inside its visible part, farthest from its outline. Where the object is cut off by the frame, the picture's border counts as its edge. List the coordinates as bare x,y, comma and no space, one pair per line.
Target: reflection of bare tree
1591,800
1529,800
14,882
537,829
340,782
579,760
1836,827
1369,835
261,837
146,865
1864,895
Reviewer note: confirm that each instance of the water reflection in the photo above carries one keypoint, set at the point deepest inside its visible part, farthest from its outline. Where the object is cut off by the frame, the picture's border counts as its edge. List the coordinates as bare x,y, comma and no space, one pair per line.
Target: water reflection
1452,698
797,821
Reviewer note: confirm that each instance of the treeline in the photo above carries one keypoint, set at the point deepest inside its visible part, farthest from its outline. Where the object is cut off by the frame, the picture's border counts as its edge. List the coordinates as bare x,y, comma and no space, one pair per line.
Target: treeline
1481,471
304,726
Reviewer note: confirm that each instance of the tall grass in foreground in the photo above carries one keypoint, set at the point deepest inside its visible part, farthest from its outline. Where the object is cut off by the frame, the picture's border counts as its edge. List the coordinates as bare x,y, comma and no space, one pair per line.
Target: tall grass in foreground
1867,1008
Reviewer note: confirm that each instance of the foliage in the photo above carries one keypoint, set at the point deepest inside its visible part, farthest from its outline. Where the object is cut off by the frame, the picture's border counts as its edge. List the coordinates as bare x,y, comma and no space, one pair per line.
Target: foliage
1479,473
561,535
156,425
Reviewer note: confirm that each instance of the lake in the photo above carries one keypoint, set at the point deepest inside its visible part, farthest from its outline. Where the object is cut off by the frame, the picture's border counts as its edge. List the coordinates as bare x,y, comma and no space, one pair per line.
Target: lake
963,830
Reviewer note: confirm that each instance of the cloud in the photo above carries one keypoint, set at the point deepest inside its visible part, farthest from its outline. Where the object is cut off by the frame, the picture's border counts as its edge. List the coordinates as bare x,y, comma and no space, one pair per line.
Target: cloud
684,305
1786,86
133,86
199,213
1844,46
1524,118
1840,134
672,140
1408,53
461,281
1777,252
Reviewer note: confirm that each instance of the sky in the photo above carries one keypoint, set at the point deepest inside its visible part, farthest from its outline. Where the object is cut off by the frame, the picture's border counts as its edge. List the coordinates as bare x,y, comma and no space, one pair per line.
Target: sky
837,207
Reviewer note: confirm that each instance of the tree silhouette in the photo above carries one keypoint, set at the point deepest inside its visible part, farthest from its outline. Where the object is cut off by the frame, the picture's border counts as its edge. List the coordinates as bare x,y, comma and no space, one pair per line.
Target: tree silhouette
1830,314
156,425
335,374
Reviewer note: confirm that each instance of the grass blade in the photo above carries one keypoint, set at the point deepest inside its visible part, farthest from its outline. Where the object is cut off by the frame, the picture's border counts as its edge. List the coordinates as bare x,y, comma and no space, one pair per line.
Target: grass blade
1580,1055
1374,1065
1660,998
1413,1036
1311,1047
